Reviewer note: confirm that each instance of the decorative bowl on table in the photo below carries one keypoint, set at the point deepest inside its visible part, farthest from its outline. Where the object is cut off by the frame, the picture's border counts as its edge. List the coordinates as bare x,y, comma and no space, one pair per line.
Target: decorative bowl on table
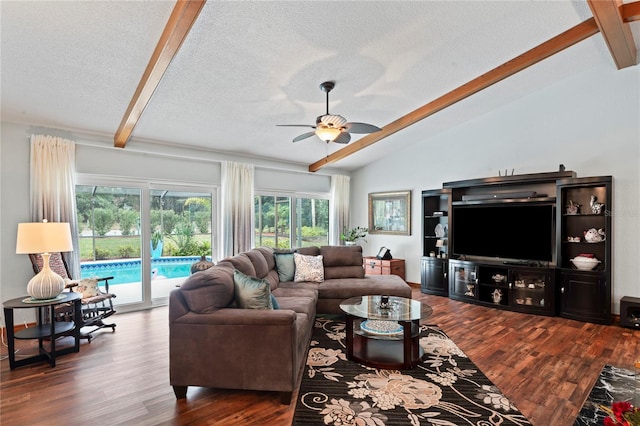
585,263
382,328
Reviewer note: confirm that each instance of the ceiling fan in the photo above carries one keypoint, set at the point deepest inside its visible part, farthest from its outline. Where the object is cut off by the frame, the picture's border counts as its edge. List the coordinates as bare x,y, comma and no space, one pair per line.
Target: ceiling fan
332,128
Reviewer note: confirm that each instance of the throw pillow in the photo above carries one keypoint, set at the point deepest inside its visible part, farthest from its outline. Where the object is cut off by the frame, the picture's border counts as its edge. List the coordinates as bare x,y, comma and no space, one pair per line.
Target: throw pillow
285,265
274,302
308,268
250,292
88,287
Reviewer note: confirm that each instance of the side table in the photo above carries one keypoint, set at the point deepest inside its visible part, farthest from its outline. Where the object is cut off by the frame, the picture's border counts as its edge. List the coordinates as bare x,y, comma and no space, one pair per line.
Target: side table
43,330
374,266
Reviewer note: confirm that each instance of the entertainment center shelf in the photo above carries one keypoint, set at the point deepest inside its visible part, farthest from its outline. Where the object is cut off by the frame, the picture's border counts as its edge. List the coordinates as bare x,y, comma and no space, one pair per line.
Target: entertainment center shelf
518,288
521,242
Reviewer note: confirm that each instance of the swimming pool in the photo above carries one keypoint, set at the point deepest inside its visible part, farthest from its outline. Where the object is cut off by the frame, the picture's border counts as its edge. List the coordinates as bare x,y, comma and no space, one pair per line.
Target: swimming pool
126,271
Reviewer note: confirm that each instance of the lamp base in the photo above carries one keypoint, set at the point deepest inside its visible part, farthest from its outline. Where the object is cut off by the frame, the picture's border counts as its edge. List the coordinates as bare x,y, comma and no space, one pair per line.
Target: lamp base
46,284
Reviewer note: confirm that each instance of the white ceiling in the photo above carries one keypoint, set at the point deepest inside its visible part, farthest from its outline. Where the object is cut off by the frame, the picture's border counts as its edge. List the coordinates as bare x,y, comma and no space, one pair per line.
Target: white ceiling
249,65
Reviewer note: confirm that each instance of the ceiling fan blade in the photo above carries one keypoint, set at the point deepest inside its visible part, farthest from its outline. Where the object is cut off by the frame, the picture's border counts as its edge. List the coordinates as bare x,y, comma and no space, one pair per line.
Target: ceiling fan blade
295,125
361,128
303,136
343,138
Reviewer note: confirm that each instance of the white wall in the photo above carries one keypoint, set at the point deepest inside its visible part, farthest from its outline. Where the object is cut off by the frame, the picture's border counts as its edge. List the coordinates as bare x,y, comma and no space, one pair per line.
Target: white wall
590,123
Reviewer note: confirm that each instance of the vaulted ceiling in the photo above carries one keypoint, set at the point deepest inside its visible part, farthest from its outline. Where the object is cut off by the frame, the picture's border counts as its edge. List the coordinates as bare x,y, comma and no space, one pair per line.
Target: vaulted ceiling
221,75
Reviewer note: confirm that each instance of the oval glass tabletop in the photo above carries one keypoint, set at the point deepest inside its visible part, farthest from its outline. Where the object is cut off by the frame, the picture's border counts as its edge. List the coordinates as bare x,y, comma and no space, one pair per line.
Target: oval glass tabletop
394,309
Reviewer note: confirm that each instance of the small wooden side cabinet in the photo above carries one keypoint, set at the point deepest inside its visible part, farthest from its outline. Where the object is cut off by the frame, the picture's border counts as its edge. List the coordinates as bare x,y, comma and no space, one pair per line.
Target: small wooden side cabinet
374,266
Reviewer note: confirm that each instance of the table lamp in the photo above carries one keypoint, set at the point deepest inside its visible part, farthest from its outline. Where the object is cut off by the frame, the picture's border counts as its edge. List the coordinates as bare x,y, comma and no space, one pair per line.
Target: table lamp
44,238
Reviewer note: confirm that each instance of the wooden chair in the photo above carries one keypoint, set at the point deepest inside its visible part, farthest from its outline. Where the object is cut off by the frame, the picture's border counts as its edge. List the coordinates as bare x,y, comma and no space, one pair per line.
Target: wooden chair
95,308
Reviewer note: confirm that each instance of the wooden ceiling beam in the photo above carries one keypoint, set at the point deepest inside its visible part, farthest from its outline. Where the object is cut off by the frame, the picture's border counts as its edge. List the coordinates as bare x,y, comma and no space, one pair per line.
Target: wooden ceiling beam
552,46
616,33
630,11
182,18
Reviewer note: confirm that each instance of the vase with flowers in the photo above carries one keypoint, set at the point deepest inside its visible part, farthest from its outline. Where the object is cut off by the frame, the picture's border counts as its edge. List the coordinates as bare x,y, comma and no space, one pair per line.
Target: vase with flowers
351,236
621,414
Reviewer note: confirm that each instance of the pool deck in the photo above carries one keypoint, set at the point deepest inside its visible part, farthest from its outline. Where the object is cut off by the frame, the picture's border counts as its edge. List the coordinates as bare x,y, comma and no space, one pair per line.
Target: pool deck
132,292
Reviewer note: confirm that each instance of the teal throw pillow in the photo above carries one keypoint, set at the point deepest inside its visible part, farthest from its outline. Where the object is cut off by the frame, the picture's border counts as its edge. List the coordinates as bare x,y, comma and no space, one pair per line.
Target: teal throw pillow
286,266
274,302
251,293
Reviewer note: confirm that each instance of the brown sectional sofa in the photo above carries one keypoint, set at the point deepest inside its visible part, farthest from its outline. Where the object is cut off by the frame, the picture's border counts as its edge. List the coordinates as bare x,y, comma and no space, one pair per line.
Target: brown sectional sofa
213,343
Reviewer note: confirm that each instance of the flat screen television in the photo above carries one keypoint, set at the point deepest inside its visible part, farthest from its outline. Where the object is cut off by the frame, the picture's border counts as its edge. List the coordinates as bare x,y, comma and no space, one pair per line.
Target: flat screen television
505,231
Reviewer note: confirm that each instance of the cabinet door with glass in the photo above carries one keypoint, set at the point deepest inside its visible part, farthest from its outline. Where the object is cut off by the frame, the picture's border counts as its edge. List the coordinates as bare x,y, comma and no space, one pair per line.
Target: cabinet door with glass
531,290
463,280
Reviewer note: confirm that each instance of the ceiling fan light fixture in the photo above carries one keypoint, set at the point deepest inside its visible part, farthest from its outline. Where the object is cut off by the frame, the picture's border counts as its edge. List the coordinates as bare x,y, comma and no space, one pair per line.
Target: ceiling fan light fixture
331,127
328,134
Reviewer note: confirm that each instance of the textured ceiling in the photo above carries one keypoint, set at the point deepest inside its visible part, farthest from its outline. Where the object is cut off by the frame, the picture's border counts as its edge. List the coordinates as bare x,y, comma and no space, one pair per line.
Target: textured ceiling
249,65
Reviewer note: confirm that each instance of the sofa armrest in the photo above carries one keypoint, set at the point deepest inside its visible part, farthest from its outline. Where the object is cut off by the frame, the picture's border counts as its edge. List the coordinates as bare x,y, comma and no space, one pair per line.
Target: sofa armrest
237,348
177,305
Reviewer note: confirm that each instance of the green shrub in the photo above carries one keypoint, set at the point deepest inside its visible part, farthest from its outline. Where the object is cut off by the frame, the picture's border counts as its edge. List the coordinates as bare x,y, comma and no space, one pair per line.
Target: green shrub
128,220
170,248
310,232
202,220
102,254
126,251
103,221
204,248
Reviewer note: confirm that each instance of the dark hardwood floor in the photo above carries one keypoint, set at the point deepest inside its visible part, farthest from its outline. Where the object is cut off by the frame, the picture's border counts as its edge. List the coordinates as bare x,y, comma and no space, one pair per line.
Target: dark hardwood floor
546,366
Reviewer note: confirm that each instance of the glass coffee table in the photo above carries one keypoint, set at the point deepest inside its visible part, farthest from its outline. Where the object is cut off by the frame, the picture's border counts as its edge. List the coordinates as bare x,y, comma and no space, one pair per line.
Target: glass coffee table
384,331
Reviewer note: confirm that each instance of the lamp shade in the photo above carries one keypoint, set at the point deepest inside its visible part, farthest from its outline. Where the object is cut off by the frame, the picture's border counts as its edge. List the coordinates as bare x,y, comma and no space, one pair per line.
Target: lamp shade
43,237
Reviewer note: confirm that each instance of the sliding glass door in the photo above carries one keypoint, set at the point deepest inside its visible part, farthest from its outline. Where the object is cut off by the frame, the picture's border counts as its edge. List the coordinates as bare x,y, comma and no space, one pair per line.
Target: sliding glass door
146,236
180,229
110,238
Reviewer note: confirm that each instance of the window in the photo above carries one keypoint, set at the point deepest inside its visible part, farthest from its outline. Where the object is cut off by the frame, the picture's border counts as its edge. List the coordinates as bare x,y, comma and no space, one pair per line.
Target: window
286,221
145,235
180,229
110,238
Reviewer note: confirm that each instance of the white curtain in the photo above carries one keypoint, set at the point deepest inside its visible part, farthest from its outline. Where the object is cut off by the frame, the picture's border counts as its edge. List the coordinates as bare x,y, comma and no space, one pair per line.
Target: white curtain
52,187
237,208
339,213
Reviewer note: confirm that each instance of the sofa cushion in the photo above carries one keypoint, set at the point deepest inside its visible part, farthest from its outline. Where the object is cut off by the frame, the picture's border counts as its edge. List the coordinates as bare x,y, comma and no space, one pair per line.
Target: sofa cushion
259,263
272,277
285,265
209,290
308,268
308,251
341,255
251,292
267,252
243,264
342,262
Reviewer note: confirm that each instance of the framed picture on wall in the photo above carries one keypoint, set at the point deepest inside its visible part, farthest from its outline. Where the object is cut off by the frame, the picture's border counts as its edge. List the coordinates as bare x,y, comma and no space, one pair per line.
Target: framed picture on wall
390,213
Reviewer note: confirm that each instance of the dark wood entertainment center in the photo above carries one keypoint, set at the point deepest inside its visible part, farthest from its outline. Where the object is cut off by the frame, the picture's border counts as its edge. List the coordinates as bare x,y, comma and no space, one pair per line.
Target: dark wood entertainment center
558,211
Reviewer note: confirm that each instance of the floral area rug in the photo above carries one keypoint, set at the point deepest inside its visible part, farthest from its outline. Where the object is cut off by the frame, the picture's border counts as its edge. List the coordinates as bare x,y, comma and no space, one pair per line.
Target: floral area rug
445,389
